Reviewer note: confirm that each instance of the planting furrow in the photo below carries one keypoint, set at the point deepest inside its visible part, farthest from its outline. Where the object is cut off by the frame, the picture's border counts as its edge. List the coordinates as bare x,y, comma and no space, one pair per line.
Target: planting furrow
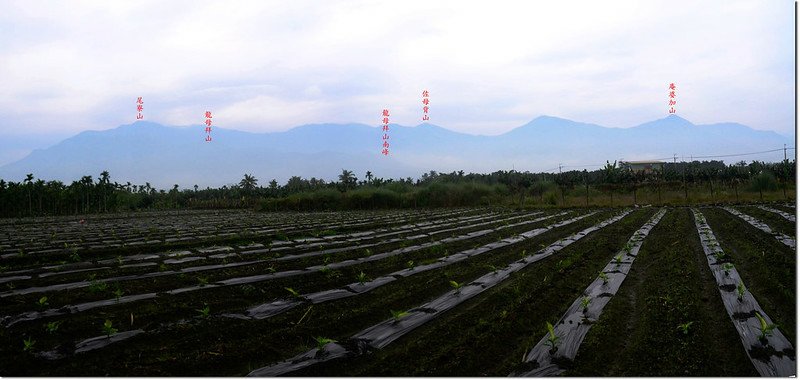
569,331
784,214
273,308
787,240
9,321
231,229
384,333
225,252
768,349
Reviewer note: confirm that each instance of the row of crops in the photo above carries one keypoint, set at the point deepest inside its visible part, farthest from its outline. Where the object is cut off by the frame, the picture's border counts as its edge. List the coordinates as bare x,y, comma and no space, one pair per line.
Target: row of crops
646,291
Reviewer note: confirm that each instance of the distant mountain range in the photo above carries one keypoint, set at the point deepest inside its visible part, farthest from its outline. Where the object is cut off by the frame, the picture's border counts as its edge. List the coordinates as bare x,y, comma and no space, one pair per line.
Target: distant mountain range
162,155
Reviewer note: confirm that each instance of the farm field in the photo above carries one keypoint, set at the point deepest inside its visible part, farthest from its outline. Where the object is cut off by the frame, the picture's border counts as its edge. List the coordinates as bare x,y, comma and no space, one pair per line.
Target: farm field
647,291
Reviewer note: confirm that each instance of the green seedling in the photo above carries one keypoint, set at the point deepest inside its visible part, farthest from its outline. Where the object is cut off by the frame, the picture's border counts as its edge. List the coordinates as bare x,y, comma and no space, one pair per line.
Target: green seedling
493,268
618,259
552,338
74,256
367,252
397,315
202,281
118,294
410,264
203,313
271,269
727,267
119,260
628,247
603,276
322,342
456,286
362,278
764,327
42,302
97,286
247,289
294,293
27,344
684,327
162,267
107,329
585,301
52,327
740,289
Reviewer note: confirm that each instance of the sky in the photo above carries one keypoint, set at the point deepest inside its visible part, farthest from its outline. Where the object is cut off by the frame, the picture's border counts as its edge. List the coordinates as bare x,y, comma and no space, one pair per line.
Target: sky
489,66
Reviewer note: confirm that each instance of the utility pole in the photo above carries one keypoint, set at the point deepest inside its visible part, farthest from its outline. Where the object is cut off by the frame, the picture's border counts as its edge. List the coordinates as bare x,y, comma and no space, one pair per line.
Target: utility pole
674,157
784,152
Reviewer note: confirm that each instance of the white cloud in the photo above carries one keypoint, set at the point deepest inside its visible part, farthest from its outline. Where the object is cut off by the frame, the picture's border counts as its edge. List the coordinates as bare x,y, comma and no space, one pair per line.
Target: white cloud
490,66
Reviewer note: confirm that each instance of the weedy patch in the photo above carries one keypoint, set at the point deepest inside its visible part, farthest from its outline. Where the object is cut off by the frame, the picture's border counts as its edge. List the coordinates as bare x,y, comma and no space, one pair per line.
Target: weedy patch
322,342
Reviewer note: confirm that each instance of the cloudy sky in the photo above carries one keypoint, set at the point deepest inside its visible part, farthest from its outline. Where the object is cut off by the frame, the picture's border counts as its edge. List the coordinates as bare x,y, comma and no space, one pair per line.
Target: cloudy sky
489,66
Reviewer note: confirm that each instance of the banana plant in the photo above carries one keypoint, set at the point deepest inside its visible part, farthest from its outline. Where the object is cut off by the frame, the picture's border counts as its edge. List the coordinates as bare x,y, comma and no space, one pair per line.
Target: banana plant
764,327
740,290
552,338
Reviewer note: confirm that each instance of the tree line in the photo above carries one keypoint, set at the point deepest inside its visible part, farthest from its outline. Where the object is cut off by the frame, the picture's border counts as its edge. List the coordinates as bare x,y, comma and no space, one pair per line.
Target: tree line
37,197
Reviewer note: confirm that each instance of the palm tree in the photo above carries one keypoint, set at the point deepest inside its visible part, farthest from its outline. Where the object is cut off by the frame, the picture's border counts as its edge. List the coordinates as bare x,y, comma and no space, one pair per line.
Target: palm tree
248,183
347,179
369,177
28,185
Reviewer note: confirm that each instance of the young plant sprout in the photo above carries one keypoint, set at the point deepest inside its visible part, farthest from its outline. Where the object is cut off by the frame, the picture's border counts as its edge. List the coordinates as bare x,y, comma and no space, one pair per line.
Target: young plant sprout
410,264
727,267
552,338
107,329
765,328
52,327
27,344
322,342
295,294
456,286
684,327
397,315
202,281
618,259
367,252
628,247
204,311
362,278
42,301
603,276
740,289
118,293
585,301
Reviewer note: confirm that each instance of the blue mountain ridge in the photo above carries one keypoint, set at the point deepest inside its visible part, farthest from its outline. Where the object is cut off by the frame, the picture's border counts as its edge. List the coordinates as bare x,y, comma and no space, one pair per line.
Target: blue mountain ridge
163,155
